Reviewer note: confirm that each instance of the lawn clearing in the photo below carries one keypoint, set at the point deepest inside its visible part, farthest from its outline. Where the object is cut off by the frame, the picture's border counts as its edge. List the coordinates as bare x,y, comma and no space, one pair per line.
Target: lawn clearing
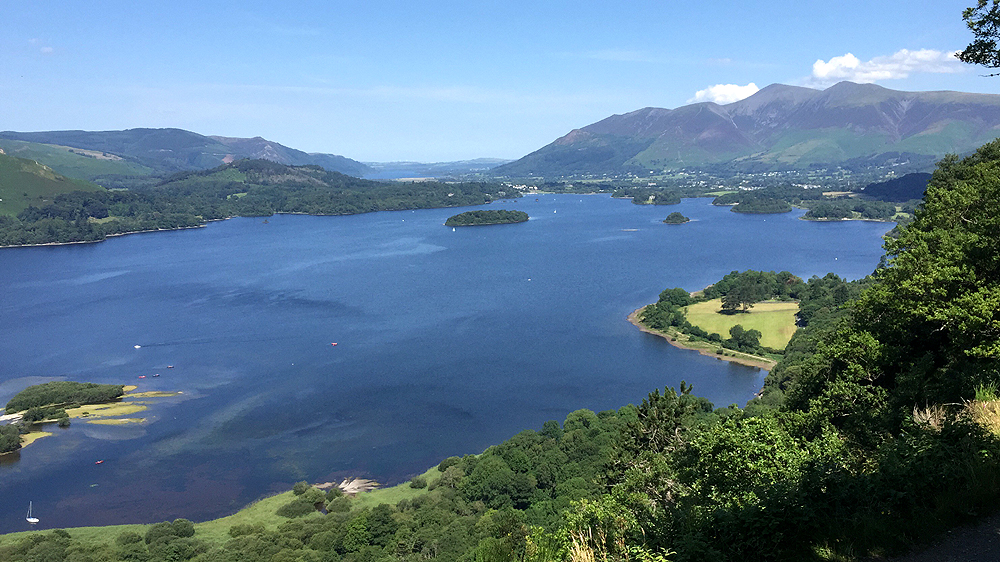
774,320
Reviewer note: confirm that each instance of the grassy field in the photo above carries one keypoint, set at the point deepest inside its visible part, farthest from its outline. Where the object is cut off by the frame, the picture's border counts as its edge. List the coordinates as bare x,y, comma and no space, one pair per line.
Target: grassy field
774,320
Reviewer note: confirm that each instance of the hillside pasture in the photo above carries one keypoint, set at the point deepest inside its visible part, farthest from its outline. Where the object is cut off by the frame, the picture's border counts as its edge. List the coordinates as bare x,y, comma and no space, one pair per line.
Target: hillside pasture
24,182
774,319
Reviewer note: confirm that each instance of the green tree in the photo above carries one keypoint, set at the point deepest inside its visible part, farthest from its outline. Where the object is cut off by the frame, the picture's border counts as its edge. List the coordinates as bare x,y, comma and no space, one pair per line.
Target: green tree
983,20
749,289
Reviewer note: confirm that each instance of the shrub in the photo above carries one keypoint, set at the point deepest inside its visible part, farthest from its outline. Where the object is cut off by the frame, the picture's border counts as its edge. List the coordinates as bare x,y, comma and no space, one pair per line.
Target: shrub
450,461
296,508
246,529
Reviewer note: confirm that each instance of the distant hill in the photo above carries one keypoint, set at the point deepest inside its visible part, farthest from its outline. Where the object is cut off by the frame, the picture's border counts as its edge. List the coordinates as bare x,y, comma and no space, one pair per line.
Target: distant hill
779,127
173,150
400,170
904,188
25,182
78,163
249,188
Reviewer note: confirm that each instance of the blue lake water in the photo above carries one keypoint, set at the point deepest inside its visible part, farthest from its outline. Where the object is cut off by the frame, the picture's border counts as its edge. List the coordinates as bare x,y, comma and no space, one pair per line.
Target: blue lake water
448,342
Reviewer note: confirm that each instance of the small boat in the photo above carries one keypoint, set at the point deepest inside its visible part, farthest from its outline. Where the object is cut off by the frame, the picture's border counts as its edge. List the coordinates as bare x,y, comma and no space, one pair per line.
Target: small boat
99,462
170,366
334,344
156,375
142,376
137,346
29,518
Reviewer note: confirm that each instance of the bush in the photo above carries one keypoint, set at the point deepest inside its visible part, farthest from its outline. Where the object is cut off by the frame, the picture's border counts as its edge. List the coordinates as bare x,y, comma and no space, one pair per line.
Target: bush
418,482
296,508
246,529
128,537
450,461
300,488
339,505
182,528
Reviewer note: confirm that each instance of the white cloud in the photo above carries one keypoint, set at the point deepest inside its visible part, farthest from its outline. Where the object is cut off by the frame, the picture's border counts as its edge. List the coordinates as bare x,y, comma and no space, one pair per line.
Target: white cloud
724,93
898,65
47,50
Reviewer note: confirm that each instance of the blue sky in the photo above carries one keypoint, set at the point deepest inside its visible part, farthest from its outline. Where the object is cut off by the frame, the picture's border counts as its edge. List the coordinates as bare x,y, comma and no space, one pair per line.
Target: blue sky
435,81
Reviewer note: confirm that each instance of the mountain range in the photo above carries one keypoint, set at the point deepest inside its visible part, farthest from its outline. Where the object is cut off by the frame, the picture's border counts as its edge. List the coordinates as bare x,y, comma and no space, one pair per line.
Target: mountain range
779,127
169,150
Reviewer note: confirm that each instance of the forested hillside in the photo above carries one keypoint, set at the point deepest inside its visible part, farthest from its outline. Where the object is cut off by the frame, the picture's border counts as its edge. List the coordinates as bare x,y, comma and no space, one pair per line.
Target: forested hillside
243,188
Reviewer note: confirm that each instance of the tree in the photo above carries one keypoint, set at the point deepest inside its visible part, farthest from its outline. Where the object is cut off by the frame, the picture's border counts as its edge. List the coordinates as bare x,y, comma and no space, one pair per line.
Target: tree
984,21
750,288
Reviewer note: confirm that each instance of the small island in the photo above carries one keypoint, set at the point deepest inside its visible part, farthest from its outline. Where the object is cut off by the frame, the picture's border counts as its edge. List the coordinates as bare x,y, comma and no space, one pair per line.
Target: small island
56,402
676,218
478,218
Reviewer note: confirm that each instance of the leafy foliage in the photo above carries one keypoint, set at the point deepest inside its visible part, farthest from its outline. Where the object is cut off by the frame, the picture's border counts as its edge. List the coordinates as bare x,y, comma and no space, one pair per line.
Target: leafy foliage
62,393
983,20
483,217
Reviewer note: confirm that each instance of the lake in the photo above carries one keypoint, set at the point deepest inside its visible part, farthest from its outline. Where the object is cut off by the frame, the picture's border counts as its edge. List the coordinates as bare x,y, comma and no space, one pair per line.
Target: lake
448,341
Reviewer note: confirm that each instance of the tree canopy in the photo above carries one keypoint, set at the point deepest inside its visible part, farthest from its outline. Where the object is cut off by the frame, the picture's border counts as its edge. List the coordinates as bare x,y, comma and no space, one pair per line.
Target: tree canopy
983,20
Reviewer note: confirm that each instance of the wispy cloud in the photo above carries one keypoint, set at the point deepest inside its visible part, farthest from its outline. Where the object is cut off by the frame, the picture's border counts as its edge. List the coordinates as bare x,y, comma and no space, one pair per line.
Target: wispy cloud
47,50
900,64
724,93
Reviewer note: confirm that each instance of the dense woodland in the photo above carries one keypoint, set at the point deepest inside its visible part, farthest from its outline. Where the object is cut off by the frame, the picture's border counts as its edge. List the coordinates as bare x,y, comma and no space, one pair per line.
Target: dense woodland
246,188
484,217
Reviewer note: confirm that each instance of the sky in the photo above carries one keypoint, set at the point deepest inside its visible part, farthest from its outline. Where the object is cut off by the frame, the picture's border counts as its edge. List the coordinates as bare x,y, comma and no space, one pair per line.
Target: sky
438,81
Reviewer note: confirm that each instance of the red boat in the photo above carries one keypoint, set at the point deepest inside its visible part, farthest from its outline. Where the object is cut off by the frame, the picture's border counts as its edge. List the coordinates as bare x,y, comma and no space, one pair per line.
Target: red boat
98,462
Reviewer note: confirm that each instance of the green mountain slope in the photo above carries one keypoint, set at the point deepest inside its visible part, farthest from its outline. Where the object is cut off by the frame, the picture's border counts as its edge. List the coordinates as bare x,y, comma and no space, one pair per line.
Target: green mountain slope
72,162
25,182
779,127
174,150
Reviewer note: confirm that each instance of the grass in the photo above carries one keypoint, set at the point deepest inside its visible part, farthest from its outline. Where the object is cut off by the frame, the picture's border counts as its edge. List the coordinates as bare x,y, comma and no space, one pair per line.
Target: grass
25,182
774,320
73,162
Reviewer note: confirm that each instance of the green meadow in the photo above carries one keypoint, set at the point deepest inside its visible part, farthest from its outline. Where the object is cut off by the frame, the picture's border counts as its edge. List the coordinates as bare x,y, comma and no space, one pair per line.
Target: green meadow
774,319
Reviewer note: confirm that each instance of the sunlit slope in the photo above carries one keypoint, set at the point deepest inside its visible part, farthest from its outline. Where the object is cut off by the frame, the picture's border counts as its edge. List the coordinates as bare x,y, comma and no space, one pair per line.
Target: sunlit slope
25,182
75,162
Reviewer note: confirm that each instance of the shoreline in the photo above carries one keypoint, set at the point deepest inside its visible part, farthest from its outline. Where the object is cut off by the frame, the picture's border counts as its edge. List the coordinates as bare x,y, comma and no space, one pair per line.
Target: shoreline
111,236
742,359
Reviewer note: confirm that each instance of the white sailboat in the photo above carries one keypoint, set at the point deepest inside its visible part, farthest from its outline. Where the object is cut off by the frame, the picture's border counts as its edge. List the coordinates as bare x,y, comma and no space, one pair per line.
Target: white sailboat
29,518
